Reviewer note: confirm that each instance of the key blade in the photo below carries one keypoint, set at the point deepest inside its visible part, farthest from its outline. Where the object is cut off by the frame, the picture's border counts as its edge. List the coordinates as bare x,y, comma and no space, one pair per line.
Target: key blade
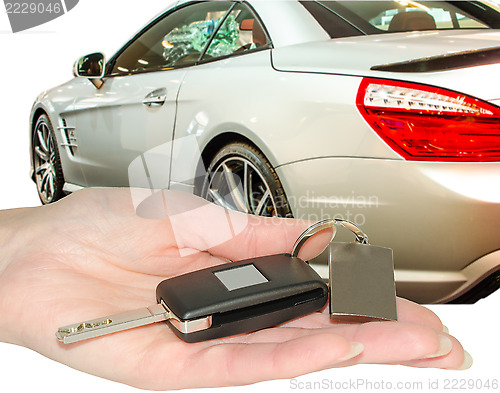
111,324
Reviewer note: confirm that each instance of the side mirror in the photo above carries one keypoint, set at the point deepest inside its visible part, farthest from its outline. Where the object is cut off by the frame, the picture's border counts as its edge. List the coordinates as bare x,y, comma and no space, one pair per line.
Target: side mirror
90,66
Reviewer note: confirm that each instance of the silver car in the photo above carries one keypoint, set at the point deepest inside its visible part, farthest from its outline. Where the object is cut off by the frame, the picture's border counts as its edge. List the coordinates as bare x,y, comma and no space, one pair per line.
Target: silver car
384,113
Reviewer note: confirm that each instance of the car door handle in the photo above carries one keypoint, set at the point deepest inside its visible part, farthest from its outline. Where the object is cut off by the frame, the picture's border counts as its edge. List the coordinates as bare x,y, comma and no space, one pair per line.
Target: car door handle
156,98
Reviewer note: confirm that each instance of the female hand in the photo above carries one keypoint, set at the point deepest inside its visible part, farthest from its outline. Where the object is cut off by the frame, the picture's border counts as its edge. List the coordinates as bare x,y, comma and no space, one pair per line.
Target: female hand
91,255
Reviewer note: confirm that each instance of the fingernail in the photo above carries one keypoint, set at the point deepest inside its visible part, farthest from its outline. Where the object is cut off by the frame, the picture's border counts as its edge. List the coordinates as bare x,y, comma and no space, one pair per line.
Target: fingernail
446,330
356,349
467,362
445,346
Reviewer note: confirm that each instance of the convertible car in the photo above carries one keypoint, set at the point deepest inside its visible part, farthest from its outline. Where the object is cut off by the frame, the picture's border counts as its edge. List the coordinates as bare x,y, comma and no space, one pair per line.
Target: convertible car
384,113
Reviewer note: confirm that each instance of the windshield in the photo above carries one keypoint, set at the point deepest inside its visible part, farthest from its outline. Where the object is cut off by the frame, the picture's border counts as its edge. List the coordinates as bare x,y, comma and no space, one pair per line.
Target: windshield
348,18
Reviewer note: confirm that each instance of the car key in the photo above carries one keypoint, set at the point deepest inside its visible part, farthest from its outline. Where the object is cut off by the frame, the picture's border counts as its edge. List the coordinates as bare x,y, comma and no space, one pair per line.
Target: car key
221,301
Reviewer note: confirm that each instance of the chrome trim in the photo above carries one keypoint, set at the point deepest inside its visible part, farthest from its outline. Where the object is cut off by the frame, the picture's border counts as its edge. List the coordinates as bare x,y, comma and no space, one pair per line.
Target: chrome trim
190,326
69,187
156,97
68,134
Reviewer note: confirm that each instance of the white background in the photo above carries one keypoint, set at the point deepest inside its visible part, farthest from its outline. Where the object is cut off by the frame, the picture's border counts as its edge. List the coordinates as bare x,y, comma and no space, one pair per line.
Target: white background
42,58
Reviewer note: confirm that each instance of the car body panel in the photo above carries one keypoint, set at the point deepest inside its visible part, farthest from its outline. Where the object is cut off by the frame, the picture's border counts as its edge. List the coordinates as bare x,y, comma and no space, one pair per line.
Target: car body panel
357,55
275,122
295,26
446,222
114,126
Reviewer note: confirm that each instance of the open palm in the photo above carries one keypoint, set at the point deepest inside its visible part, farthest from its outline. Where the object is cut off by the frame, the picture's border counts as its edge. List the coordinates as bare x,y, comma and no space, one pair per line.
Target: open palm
91,255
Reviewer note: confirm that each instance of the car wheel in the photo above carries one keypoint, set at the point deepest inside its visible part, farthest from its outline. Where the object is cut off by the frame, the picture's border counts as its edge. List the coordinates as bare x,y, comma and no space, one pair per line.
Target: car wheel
46,162
239,177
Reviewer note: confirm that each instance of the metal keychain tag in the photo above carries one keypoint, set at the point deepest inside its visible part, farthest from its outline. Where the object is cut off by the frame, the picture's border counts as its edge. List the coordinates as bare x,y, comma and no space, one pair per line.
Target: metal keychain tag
361,284
362,287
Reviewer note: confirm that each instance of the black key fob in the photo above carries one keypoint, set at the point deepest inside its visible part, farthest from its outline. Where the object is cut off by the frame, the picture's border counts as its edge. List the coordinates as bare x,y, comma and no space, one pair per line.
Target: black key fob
241,297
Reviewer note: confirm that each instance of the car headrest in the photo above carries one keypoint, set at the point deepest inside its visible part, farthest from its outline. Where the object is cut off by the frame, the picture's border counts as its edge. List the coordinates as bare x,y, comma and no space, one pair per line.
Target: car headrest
410,21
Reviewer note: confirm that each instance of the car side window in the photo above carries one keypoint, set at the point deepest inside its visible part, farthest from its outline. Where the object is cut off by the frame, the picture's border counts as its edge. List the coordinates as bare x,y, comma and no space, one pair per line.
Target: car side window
240,32
176,40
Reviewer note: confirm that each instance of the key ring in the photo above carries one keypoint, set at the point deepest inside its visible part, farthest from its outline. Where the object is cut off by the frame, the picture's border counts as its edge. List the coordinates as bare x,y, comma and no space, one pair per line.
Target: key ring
361,237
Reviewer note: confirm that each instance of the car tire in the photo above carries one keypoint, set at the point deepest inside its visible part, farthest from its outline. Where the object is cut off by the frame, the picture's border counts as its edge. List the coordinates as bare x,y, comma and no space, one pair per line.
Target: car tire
239,177
47,170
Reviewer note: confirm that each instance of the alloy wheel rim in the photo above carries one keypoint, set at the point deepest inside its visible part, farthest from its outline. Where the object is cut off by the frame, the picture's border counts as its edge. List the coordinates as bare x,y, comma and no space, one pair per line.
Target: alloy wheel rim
237,184
45,162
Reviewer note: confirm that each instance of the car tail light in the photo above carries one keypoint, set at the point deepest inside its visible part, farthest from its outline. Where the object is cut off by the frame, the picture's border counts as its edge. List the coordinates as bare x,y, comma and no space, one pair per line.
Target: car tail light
430,124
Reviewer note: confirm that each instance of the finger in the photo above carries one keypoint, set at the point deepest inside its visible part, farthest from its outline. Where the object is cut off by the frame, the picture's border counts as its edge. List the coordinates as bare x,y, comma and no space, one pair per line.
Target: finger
396,342
182,224
393,342
239,363
168,266
407,312
270,335
267,236
199,225
455,359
